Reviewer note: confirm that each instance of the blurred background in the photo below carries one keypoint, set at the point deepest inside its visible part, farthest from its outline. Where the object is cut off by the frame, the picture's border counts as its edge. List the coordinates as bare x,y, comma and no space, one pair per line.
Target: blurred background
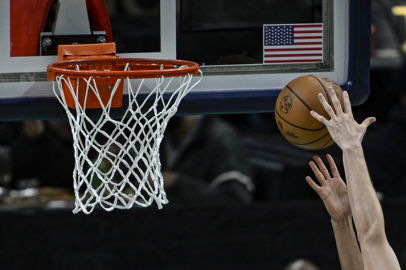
237,190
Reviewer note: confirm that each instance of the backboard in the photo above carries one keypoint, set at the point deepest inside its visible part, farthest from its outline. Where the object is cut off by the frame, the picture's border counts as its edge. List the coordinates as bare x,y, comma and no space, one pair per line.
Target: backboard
248,50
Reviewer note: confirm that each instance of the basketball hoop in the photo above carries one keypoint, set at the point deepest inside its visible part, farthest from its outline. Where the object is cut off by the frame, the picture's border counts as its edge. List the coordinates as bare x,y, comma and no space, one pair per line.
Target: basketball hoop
117,161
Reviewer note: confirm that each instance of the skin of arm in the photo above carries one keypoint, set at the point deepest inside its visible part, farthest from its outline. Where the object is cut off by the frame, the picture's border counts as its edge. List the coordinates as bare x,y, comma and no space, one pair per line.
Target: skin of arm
347,245
365,207
333,191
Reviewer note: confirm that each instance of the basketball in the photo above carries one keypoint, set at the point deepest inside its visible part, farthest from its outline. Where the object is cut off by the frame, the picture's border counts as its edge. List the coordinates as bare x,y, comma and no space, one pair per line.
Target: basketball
292,111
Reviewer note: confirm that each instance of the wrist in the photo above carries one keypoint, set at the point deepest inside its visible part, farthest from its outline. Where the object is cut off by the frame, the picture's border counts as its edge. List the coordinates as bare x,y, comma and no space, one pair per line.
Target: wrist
355,146
341,220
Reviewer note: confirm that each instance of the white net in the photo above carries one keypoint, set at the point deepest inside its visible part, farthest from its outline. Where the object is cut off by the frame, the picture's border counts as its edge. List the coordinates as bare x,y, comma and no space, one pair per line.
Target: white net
117,161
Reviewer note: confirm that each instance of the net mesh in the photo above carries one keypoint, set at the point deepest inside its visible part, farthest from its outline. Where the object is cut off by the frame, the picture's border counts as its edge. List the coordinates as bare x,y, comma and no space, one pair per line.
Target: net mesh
117,161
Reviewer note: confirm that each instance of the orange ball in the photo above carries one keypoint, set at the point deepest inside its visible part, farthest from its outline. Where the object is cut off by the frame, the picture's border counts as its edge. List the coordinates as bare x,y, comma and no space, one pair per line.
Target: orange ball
292,111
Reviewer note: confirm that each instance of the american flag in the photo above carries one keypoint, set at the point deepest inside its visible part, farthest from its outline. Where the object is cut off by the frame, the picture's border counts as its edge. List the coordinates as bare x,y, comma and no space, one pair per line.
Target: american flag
293,43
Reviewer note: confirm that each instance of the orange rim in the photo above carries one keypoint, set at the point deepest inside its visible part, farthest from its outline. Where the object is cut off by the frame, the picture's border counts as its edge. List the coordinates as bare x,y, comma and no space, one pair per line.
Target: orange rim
115,67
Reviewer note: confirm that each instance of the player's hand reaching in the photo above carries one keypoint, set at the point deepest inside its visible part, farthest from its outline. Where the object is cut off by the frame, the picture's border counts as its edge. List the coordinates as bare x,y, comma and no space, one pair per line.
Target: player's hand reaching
332,189
342,127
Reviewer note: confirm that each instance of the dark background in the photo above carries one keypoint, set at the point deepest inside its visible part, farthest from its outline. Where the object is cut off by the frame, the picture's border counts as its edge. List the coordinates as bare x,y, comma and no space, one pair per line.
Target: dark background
260,236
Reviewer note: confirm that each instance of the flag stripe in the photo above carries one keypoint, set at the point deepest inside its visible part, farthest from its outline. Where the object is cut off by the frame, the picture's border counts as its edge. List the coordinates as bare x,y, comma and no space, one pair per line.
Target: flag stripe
308,43
308,37
309,32
307,29
296,47
308,25
293,61
292,49
293,55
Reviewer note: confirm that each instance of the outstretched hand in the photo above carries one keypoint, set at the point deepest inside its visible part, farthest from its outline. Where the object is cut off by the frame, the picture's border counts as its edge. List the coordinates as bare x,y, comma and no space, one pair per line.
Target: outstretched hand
342,126
332,189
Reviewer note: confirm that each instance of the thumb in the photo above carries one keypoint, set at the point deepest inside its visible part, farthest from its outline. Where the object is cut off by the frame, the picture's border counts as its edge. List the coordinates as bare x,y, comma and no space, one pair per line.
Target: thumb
368,122
365,124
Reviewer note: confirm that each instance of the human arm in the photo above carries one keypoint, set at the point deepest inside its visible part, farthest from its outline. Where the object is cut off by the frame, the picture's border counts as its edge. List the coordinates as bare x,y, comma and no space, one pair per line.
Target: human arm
333,191
347,245
365,207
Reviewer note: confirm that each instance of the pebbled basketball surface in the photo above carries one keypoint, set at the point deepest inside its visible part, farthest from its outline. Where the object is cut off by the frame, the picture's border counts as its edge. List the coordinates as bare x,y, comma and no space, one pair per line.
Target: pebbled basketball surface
292,111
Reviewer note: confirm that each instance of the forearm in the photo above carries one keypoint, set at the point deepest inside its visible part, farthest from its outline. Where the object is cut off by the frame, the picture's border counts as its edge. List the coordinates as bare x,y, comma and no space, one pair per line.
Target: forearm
368,217
347,245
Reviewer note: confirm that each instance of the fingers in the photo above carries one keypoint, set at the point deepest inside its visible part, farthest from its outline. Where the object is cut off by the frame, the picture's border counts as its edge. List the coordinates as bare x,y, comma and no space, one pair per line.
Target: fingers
334,100
333,166
327,107
335,109
312,184
318,117
322,168
347,103
319,175
319,170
